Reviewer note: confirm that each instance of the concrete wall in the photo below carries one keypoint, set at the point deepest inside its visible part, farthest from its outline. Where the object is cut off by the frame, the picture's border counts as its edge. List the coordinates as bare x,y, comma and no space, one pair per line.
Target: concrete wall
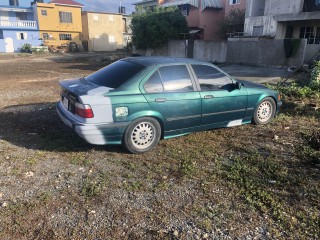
267,22
239,50
210,51
175,48
311,50
255,8
274,7
263,52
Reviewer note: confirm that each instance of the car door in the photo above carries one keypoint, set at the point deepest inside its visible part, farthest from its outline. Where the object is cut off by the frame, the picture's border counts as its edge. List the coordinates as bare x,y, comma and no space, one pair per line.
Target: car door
221,100
171,91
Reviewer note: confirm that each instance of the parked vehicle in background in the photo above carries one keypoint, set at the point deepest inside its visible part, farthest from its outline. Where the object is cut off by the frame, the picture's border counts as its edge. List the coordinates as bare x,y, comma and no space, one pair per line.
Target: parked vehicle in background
138,101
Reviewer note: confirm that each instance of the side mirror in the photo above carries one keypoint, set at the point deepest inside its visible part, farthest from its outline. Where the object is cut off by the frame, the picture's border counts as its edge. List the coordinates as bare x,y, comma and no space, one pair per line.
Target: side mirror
238,85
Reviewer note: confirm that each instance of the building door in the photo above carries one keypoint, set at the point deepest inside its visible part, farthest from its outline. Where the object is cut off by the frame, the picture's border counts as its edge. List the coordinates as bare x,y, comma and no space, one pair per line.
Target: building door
9,45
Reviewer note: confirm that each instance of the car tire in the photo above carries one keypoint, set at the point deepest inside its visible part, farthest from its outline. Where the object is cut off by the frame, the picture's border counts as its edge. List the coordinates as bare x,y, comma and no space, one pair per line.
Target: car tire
142,135
265,111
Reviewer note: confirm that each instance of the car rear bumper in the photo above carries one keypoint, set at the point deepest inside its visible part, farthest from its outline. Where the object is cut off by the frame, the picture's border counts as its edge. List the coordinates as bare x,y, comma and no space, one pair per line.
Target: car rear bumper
98,134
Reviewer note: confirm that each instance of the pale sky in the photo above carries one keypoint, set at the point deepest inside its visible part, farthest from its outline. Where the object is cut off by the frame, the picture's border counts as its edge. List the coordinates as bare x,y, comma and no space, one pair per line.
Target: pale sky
110,6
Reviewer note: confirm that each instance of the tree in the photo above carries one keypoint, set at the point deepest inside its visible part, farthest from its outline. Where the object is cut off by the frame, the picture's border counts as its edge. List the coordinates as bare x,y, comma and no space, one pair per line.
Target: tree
233,22
155,29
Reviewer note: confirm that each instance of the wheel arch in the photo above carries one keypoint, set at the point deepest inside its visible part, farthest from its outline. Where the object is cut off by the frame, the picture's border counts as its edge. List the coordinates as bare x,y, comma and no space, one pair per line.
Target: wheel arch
151,114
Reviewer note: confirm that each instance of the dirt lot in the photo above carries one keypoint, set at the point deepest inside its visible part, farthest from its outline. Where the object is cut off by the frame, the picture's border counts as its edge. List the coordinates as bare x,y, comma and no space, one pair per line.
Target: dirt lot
249,182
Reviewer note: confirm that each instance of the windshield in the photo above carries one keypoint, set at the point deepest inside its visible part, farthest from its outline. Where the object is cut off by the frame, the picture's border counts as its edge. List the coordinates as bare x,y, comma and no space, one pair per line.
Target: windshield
115,74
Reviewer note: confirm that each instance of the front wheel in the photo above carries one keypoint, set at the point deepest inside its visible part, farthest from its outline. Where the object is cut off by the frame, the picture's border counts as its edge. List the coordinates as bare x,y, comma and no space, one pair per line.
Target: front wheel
142,135
265,111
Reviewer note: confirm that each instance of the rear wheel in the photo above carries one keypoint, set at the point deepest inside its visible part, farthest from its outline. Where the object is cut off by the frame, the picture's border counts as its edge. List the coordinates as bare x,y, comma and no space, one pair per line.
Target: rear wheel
142,135
265,111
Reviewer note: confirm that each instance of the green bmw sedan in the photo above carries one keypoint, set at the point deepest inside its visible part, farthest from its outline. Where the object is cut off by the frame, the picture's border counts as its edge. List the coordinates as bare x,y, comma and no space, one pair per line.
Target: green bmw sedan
138,101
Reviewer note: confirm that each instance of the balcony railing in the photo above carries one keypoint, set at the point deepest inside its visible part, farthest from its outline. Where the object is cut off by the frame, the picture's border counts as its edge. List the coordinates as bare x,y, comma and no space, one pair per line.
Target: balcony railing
19,24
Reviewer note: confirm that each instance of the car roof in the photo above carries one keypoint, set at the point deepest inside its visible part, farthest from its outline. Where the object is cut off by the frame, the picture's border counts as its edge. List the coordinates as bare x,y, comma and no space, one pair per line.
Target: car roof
147,61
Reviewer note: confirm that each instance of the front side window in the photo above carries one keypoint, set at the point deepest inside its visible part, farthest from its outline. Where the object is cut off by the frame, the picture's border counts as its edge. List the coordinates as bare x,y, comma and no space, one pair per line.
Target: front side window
176,78
65,17
65,36
210,78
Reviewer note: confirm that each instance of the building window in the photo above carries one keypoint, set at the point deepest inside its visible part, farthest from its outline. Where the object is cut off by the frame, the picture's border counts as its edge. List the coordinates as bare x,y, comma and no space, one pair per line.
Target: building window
185,9
45,35
65,17
309,34
311,6
96,17
22,36
257,31
65,36
1,34
112,39
22,16
111,18
125,26
317,40
232,2
44,12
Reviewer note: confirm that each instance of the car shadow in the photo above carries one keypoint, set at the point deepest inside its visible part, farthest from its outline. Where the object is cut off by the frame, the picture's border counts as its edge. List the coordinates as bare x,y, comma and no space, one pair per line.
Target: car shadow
37,126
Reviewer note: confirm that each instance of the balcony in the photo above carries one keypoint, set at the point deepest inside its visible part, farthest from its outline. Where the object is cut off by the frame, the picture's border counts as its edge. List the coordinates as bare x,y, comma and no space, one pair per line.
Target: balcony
18,24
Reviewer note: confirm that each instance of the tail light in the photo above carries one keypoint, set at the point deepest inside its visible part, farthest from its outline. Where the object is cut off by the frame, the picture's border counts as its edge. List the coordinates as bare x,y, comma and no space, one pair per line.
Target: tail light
279,97
83,110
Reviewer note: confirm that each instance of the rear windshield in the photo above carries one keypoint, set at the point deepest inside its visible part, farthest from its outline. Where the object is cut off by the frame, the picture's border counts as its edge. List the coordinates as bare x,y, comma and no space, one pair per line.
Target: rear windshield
115,74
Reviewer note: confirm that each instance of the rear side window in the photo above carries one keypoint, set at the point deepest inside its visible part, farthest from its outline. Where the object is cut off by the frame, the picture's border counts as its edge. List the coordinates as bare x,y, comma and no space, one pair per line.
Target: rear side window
115,74
154,84
210,78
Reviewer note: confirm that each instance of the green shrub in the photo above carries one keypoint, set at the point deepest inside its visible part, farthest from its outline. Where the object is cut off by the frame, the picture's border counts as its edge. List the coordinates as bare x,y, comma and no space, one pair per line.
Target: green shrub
294,90
315,78
26,48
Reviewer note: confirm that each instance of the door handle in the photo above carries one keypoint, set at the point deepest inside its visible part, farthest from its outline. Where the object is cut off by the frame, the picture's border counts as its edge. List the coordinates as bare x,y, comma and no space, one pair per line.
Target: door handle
161,100
208,97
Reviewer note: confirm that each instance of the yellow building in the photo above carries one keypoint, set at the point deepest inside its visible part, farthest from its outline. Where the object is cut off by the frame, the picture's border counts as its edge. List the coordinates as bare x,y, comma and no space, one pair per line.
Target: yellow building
105,31
59,21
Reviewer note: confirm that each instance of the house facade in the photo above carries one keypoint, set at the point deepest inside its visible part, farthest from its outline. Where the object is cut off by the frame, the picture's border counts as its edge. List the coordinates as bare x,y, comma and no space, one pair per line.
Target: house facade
59,21
203,17
146,4
105,31
295,19
17,27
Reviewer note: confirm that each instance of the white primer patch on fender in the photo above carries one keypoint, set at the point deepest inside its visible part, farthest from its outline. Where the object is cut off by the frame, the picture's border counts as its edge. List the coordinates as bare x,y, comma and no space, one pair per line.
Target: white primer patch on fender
235,123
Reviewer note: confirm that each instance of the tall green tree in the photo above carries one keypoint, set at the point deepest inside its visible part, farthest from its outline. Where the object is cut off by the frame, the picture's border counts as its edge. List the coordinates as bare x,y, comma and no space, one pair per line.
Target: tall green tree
153,29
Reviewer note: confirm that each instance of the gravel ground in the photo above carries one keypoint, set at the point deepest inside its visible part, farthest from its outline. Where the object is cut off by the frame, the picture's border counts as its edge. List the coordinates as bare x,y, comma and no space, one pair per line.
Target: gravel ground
53,185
